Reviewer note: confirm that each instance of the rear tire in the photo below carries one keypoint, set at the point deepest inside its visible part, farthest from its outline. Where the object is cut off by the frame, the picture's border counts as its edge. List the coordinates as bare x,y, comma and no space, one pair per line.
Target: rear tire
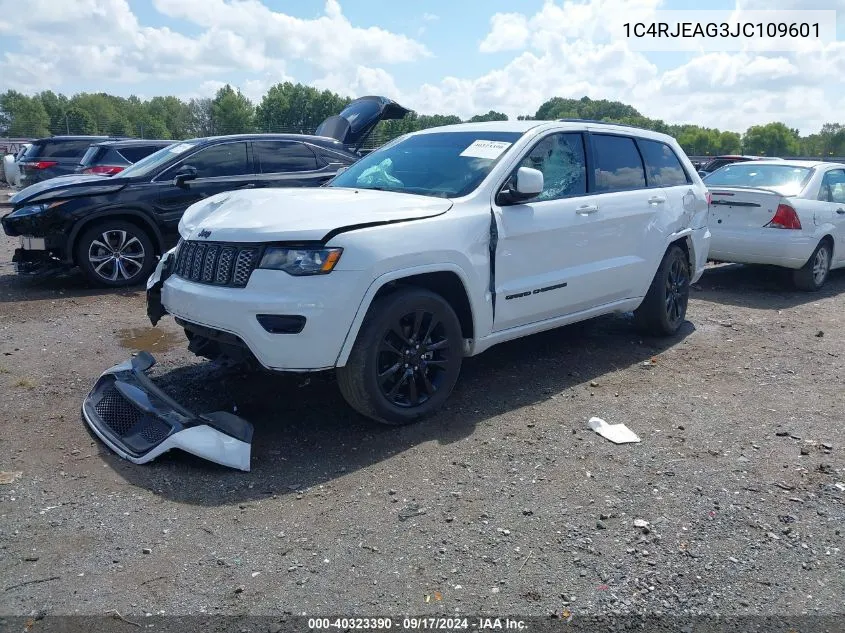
813,275
406,358
115,253
664,308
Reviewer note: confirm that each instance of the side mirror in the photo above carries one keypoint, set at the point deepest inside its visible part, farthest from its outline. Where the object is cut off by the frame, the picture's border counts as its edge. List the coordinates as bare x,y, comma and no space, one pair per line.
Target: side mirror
702,173
526,183
341,169
184,174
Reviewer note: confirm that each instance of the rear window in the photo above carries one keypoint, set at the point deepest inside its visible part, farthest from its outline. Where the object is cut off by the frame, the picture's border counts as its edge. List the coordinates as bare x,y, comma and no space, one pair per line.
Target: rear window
137,152
618,163
785,179
58,149
662,164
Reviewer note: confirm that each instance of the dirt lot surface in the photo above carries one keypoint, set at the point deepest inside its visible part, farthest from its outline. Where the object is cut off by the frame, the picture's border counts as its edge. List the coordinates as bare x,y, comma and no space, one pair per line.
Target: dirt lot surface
504,503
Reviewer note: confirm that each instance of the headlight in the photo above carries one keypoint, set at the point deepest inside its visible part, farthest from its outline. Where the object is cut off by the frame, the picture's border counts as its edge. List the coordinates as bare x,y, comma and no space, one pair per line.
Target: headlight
32,209
301,261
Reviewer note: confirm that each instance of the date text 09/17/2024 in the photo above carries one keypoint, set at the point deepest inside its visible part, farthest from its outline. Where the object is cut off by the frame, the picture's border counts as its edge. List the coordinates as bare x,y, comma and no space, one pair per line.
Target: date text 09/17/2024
419,623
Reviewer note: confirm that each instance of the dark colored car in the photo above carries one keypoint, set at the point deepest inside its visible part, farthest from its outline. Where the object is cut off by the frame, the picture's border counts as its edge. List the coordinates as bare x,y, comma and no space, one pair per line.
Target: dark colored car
114,227
55,156
720,161
112,157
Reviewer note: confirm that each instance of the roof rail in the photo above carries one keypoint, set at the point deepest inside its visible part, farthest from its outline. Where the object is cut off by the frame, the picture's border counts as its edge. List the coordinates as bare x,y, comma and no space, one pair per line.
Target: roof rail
636,127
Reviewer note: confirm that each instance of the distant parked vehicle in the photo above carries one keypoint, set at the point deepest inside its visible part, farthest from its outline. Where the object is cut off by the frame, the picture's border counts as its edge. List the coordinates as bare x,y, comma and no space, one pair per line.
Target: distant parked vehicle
112,157
114,227
54,156
786,213
720,161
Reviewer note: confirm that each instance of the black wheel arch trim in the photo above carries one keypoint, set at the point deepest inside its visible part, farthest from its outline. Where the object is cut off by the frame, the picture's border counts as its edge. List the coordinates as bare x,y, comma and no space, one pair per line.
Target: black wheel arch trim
88,219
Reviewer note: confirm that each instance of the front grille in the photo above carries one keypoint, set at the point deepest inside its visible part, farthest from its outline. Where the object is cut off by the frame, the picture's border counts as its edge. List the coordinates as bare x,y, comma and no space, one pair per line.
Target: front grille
119,414
216,263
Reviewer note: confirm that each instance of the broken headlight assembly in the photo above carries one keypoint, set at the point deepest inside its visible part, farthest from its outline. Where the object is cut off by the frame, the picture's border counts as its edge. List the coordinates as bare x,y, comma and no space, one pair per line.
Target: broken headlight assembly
301,261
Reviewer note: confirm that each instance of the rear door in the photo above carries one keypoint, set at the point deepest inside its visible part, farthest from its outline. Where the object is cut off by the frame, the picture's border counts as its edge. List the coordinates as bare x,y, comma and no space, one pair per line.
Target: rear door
664,170
220,167
631,226
288,164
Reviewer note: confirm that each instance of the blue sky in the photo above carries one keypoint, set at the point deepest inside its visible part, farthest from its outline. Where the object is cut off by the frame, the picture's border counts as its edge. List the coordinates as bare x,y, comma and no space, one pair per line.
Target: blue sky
457,56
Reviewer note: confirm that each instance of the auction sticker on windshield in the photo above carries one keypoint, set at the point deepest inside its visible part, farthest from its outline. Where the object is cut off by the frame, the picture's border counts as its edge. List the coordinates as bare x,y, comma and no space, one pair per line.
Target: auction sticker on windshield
486,149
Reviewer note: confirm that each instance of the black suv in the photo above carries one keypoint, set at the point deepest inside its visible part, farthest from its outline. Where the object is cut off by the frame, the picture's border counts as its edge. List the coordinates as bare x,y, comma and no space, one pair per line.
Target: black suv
112,157
114,227
55,156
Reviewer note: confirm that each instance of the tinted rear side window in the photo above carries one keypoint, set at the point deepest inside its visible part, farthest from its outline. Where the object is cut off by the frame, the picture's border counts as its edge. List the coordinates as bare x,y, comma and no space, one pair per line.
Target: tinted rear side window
662,164
618,163
283,156
91,155
227,159
137,152
59,149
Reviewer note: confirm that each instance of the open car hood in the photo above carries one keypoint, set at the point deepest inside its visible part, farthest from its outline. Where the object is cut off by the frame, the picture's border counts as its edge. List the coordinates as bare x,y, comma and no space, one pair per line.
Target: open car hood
355,122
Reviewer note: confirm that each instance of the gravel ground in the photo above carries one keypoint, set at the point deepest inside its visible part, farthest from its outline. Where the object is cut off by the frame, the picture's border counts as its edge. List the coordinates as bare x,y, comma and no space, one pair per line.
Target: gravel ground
504,503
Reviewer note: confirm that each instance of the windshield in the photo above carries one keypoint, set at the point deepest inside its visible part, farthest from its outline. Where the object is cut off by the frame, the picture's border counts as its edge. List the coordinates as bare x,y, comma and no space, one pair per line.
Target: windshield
147,165
439,164
787,180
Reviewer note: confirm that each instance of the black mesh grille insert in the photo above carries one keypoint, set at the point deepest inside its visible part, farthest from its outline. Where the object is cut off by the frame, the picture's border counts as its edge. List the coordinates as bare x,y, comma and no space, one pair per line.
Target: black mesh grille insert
155,431
119,414
215,263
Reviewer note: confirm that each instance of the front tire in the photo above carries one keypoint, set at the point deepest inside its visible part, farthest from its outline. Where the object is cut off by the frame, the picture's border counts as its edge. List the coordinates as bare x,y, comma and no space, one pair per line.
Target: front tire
406,359
812,275
115,253
664,308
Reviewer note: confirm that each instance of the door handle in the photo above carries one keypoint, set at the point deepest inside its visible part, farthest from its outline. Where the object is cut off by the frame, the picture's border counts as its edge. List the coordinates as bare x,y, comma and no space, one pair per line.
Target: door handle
840,211
657,200
586,209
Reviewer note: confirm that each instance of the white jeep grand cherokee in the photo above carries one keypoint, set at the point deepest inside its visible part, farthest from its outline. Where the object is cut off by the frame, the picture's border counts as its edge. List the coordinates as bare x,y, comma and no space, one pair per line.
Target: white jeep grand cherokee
437,246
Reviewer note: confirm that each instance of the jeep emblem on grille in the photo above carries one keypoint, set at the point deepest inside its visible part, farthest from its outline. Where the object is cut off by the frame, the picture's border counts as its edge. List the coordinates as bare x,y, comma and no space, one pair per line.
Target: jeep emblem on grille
204,233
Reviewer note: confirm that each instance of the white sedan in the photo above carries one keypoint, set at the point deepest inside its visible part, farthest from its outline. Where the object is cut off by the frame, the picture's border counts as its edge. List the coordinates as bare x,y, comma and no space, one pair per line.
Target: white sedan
788,213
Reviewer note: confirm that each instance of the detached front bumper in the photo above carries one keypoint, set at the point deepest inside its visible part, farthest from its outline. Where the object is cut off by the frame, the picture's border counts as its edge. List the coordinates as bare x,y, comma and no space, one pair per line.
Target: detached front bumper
139,422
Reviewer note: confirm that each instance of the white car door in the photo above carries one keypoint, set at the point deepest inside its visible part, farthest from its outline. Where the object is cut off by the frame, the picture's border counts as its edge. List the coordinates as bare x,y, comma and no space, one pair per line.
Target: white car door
630,232
832,196
545,250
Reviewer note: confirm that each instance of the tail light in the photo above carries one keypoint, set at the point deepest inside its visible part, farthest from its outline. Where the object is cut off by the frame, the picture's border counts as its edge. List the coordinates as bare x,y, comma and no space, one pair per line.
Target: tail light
709,198
103,170
41,164
785,218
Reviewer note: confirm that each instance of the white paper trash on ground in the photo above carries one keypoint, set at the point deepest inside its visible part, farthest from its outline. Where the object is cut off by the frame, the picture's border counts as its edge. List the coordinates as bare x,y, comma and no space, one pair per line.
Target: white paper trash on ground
616,433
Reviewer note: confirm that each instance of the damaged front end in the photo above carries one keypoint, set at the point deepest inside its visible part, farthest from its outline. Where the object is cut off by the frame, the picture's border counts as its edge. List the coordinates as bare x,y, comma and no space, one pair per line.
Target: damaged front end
139,422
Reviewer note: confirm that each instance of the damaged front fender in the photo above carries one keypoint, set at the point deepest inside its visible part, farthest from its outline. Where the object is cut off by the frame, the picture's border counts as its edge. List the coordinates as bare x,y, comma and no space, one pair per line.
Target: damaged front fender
139,422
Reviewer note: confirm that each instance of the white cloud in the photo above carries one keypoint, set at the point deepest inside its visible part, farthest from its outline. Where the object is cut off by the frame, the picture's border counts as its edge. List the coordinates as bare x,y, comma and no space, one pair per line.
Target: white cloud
508,32
103,40
328,42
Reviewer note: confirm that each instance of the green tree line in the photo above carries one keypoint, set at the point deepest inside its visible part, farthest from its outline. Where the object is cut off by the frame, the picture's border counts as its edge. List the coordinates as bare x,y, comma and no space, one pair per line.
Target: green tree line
289,107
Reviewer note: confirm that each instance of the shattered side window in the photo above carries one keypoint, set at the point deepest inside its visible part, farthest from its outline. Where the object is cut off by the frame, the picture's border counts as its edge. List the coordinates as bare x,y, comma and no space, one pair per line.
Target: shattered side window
560,157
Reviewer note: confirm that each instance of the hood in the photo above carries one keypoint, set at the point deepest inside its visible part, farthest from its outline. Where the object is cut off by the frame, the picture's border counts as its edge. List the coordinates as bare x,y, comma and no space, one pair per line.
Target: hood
355,122
66,187
300,215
